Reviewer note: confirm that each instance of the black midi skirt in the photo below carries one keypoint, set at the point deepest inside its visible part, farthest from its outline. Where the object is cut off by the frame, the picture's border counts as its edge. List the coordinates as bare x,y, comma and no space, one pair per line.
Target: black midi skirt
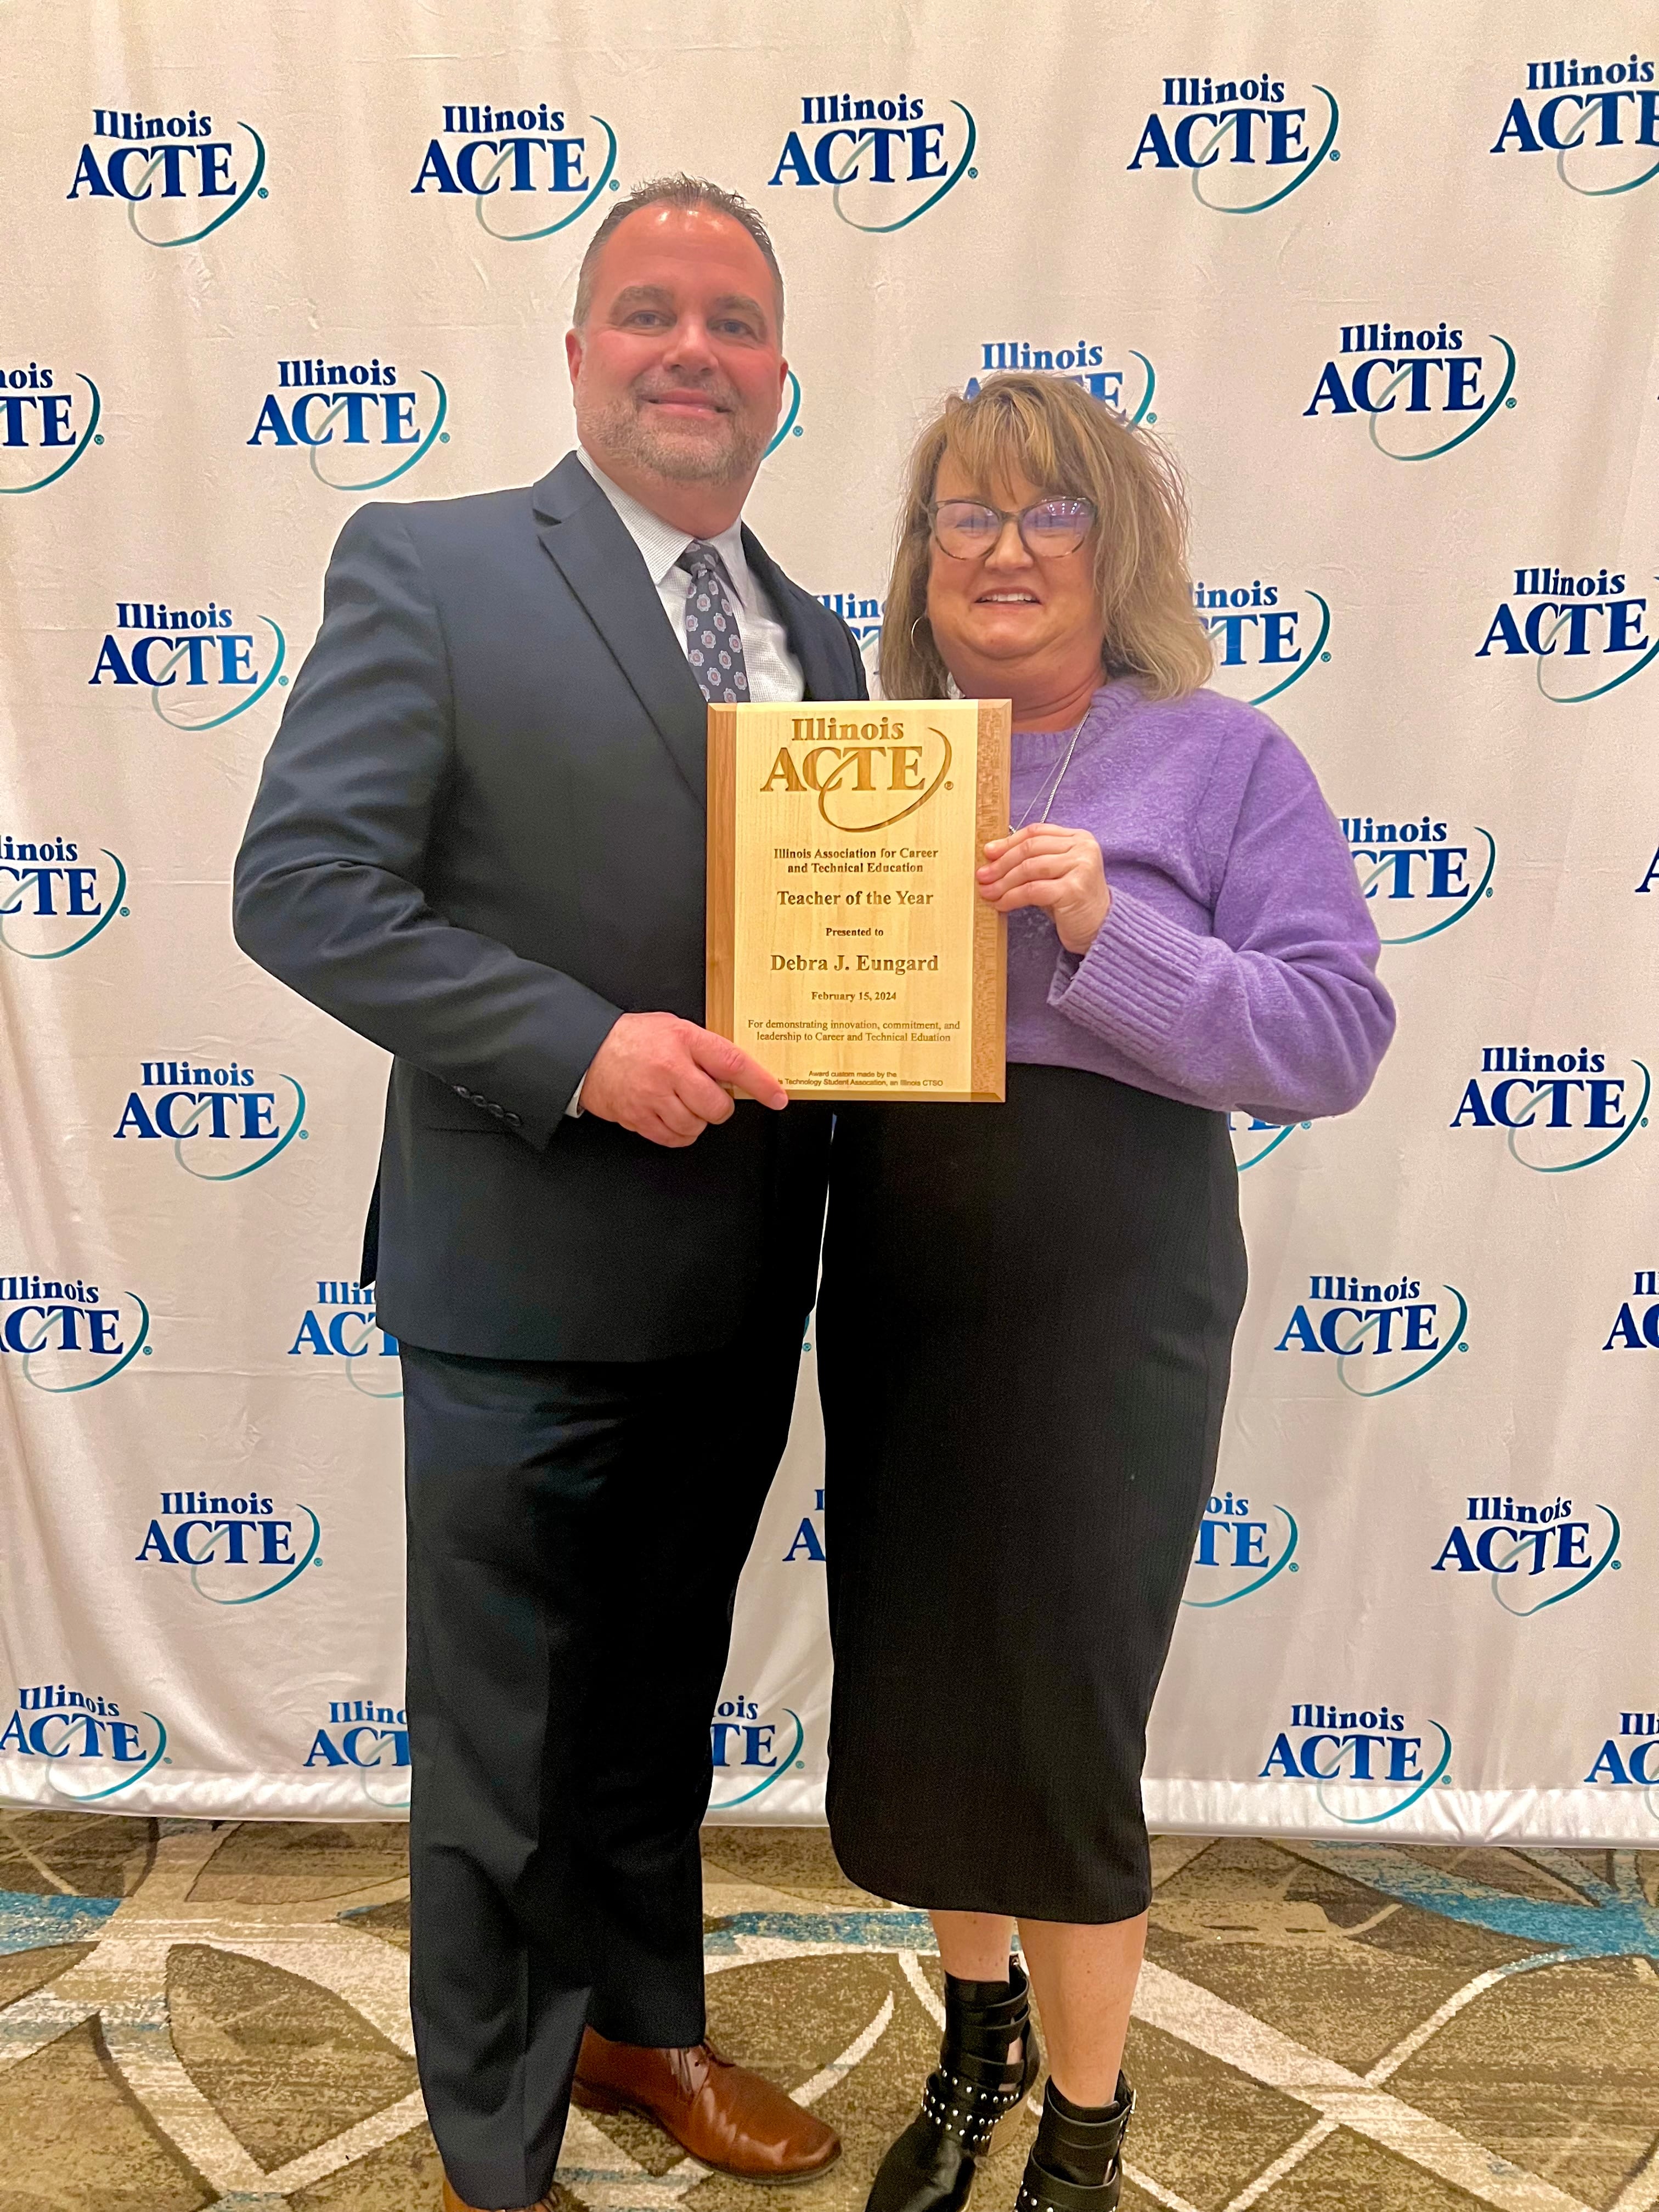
1024,1330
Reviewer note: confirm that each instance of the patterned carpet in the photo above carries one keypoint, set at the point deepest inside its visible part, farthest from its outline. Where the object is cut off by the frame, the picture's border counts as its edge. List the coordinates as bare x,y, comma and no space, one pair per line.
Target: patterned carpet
193,2015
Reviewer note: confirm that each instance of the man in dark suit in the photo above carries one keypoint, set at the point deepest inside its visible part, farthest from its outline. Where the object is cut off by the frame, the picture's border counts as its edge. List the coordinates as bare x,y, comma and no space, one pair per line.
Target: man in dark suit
479,840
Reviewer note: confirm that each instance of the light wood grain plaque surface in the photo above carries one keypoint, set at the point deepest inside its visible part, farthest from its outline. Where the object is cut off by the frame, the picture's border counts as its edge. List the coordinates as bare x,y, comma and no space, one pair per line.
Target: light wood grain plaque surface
849,949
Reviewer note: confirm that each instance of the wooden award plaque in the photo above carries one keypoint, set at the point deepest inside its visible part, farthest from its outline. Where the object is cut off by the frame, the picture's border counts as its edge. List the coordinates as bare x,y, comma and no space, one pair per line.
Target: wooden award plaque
848,949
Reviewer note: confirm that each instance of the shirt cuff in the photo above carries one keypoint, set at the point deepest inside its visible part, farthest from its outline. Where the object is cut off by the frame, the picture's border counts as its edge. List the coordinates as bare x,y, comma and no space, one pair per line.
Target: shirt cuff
574,1110
1130,985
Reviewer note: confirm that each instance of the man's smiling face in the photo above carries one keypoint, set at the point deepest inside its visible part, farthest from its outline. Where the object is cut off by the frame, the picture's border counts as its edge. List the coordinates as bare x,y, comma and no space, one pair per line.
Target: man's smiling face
678,370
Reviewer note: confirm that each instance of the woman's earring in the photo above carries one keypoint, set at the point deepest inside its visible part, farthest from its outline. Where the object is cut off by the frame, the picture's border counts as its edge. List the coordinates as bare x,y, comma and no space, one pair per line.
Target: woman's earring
914,627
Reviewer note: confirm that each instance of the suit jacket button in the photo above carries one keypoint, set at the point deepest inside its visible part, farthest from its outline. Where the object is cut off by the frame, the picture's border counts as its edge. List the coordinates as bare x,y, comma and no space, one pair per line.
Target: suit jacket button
516,1119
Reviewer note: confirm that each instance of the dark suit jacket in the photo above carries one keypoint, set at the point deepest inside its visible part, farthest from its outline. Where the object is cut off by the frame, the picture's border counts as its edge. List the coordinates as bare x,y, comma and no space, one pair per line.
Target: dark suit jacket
479,837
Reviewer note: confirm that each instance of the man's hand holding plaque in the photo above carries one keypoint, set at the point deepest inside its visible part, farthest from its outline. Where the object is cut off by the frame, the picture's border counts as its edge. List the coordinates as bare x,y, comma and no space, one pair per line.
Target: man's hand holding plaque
662,1077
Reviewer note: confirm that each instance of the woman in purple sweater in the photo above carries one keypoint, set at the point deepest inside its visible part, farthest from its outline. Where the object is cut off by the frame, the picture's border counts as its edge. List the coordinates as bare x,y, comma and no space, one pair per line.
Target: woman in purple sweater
1027,1311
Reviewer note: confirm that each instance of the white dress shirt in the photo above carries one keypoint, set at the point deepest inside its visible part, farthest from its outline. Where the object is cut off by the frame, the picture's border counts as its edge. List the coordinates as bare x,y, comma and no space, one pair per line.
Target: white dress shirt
774,674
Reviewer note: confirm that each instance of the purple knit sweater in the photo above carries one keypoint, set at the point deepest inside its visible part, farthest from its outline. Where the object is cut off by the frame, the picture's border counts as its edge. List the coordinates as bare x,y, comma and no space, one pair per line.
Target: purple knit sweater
1238,966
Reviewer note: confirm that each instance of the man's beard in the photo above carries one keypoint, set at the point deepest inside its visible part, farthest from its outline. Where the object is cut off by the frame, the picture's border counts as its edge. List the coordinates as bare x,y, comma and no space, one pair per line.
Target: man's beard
629,428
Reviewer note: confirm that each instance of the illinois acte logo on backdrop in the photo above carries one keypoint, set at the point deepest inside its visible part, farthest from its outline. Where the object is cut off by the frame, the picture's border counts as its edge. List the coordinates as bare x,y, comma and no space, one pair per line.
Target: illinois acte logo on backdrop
1636,1324
1530,1556
1255,1140
1600,120
1629,1757
789,415
861,611
341,1326
807,1542
370,1739
1103,372
1421,876
1559,1110
179,178
1374,1761
201,668
350,418
91,1750
49,420
1585,634
234,1551
517,165
883,160
69,1334
1380,1336
1273,634
751,1750
1239,1550
56,894
1244,144
1421,392
233,1122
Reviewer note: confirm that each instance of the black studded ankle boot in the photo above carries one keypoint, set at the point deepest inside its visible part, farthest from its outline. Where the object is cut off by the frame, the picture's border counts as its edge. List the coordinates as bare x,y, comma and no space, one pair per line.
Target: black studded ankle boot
930,2167
1076,2163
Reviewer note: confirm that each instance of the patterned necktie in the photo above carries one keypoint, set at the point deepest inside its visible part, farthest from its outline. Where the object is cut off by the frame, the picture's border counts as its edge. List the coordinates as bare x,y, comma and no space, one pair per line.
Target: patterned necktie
711,643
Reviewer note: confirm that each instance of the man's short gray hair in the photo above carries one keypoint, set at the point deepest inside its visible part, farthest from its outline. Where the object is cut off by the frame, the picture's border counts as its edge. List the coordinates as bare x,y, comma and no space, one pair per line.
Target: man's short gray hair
679,191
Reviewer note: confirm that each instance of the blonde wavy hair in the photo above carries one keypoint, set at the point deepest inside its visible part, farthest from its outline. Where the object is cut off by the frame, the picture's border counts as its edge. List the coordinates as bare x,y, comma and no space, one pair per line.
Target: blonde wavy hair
1065,443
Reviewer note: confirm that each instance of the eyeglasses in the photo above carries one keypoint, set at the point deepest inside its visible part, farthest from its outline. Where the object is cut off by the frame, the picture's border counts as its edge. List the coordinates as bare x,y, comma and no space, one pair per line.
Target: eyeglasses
967,529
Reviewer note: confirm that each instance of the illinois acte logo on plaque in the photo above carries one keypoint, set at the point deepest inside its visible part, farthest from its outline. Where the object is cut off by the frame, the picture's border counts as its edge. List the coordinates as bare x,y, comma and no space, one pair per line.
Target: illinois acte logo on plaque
848,949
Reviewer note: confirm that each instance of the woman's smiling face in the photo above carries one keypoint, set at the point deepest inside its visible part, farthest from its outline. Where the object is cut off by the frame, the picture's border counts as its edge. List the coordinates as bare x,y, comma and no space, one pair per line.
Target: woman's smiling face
1005,612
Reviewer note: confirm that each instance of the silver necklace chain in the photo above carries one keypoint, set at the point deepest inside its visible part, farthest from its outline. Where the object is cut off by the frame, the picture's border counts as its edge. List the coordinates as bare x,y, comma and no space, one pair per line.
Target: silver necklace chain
1054,788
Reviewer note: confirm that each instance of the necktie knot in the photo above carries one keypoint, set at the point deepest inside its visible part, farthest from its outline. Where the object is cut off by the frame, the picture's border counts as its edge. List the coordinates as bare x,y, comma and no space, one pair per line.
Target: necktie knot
701,559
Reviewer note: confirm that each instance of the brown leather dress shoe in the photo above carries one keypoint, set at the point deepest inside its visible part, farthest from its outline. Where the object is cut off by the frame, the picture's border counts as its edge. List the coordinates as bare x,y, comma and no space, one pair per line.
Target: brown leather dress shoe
729,2119
452,2202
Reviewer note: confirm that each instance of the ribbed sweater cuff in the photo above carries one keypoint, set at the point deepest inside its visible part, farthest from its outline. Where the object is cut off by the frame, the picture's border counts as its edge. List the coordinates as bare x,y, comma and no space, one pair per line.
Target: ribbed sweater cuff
1131,985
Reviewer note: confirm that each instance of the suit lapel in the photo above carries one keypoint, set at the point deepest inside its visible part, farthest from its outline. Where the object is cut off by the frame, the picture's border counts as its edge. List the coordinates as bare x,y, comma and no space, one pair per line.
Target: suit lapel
584,536
809,640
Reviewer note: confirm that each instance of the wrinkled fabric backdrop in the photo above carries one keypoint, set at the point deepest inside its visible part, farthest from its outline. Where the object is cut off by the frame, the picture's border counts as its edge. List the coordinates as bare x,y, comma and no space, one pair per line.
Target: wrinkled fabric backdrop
1386,280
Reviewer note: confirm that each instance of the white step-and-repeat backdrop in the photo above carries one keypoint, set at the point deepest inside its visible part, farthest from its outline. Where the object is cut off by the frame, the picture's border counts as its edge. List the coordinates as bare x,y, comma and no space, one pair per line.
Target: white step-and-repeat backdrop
1387,279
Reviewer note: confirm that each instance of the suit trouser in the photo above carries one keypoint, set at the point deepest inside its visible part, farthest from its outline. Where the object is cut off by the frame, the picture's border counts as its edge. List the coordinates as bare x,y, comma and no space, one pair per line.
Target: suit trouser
576,1530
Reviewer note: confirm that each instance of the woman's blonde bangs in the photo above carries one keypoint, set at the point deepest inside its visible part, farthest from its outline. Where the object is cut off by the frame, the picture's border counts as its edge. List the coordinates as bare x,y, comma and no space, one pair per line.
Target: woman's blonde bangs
1055,436
996,446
